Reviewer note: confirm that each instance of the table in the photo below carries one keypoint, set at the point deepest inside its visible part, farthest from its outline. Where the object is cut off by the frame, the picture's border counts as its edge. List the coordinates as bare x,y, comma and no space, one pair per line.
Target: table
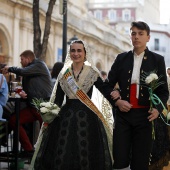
16,134
15,156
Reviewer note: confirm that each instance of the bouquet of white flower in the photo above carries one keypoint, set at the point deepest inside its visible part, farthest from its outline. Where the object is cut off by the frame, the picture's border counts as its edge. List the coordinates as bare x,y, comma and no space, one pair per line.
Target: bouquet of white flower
47,110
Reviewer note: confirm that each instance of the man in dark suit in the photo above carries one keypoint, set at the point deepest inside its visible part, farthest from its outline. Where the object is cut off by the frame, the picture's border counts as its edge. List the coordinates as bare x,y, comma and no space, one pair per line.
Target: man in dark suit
132,139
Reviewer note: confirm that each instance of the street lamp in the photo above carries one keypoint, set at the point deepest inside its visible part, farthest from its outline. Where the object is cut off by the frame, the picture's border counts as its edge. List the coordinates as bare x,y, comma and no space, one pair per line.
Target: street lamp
64,12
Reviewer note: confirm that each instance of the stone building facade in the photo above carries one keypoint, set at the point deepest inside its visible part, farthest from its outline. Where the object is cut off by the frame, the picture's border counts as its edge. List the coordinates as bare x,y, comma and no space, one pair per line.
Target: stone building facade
16,32
120,13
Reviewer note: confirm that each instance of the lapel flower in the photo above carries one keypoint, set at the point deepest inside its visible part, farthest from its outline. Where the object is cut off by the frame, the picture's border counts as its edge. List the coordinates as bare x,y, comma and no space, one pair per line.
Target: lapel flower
151,78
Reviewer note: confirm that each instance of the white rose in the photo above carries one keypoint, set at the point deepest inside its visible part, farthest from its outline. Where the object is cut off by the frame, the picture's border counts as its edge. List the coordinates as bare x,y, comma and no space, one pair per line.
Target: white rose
54,105
46,104
44,110
43,104
55,111
154,76
148,79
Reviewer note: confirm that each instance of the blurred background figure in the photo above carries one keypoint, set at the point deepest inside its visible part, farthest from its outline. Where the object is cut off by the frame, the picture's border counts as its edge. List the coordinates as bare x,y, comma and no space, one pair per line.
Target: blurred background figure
3,93
168,80
36,83
55,71
168,71
104,75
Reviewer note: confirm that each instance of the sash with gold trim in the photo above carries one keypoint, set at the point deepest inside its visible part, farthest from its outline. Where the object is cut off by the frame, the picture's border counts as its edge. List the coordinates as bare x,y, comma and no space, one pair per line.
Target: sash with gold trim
83,97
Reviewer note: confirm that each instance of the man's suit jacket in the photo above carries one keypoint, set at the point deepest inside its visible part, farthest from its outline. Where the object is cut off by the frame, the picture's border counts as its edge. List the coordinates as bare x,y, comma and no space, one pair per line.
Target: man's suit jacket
121,73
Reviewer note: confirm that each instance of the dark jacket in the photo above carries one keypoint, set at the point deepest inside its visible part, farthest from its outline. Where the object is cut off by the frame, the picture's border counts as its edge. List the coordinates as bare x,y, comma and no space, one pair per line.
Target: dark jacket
121,73
36,80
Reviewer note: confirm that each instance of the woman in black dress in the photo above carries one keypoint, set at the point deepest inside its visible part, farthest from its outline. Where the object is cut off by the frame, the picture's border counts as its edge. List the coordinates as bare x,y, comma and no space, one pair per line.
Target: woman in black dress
80,136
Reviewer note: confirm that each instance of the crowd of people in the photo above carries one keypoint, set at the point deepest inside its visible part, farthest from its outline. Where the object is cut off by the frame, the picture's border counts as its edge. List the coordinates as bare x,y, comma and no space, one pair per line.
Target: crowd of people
122,131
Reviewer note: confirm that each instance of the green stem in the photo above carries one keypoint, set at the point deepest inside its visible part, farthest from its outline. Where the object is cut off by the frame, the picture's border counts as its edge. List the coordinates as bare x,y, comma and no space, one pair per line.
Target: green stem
153,130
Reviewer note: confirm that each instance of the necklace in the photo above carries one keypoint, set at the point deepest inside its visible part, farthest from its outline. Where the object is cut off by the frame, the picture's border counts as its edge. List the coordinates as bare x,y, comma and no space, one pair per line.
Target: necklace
76,77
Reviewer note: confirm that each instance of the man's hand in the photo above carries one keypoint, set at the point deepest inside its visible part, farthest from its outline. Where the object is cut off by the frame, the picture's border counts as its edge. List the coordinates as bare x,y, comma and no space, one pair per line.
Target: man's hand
153,114
123,105
23,94
5,70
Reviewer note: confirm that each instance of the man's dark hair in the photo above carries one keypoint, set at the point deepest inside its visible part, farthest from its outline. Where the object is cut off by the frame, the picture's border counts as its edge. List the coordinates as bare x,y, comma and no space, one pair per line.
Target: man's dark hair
2,66
141,25
28,53
103,73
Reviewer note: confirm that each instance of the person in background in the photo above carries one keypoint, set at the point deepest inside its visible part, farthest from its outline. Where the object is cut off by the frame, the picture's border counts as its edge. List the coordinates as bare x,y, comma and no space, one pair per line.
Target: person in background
104,75
168,71
36,83
55,71
80,137
132,134
3,94
168,80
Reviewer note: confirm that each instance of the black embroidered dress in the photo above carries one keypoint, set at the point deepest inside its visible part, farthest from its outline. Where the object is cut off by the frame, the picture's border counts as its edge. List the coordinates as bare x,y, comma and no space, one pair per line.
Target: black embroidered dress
76,138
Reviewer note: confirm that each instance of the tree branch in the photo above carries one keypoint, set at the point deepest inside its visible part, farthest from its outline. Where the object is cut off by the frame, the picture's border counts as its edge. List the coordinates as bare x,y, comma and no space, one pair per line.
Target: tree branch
47,28
37,30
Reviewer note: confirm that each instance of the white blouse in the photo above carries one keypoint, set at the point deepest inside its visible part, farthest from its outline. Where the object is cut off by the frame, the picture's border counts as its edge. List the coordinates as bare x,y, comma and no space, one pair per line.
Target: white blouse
136,71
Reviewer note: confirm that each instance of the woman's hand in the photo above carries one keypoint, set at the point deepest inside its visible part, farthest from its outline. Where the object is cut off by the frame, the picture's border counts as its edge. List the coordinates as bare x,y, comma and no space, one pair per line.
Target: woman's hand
115,94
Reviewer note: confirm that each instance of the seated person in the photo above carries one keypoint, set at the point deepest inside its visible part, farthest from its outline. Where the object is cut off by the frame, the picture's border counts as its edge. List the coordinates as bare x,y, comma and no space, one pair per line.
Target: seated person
3,94
36,83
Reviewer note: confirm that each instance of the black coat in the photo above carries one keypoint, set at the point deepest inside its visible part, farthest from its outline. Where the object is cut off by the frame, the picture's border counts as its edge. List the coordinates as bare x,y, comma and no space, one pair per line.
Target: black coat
121,73
36,80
